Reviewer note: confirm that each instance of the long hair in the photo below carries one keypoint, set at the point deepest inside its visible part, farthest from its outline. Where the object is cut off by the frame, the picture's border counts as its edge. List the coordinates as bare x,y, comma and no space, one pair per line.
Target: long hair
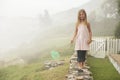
79,20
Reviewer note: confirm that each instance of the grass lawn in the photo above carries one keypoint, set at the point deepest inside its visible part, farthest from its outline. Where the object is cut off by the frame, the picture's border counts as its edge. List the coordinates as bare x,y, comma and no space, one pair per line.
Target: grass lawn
102,69
57,73
34,72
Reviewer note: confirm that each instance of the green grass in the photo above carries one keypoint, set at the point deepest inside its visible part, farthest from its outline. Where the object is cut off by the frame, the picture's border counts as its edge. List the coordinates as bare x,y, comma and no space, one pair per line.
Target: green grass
102,69
36,71
19,72
57,73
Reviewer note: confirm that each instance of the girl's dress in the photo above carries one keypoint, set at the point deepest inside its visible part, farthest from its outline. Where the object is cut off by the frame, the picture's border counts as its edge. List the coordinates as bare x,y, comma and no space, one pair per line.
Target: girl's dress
82,37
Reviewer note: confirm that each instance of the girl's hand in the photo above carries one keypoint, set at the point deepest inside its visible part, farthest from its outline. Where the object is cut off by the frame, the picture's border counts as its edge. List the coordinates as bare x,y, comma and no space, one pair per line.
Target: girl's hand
72,41
89,41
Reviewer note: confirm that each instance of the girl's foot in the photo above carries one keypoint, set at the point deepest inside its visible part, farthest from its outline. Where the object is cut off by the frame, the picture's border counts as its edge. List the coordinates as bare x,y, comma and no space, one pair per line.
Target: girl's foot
80,70
79,67
86,67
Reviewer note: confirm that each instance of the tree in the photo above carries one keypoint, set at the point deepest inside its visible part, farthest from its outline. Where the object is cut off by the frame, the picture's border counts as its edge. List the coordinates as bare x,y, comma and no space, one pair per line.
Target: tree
117,30
110,9
45,19
119,6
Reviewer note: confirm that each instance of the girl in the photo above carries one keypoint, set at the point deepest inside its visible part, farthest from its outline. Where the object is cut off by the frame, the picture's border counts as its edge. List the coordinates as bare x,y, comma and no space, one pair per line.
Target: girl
83,36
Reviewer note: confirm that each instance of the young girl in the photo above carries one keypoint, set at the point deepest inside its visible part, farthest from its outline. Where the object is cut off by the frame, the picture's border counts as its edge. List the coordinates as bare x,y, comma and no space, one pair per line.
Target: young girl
83,36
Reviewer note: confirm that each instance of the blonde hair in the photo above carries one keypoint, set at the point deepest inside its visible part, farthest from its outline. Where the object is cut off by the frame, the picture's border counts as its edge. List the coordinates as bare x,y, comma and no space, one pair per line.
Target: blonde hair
79,20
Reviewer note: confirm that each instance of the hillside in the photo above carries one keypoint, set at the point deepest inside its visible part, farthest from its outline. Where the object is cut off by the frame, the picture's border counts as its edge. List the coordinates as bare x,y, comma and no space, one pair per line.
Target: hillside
37,71
60,31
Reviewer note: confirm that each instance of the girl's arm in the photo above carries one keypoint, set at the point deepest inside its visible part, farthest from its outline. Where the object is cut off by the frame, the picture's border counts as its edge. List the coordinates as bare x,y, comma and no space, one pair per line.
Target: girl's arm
90,32
75,32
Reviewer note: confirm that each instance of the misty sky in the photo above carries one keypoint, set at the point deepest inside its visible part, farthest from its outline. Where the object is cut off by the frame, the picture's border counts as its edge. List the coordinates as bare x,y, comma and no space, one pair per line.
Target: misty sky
34,7
11,34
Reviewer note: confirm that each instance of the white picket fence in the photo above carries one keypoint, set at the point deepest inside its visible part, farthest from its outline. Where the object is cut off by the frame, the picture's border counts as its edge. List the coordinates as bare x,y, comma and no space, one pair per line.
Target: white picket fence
105,45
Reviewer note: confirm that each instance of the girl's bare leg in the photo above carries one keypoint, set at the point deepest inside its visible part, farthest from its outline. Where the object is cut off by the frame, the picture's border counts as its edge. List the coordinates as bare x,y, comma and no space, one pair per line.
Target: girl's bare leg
83,64
80,65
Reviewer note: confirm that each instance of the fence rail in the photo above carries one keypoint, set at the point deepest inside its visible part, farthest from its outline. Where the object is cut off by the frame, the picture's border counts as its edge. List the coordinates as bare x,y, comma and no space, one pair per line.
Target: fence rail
105,45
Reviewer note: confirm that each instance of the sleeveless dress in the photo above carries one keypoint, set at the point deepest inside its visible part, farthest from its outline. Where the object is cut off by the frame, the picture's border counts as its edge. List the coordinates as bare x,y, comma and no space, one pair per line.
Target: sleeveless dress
82,37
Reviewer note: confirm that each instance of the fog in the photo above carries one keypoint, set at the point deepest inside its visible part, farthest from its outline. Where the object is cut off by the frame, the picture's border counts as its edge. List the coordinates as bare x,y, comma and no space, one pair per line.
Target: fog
28,27
35,7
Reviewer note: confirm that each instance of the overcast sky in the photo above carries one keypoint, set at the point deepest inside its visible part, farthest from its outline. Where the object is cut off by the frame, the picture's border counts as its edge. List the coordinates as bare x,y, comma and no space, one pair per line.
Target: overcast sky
34,7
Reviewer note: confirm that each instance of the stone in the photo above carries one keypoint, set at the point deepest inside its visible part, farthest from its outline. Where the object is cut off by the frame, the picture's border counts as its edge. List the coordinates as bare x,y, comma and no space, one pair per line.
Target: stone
86,67
70,77
74,73
52,64
80,78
